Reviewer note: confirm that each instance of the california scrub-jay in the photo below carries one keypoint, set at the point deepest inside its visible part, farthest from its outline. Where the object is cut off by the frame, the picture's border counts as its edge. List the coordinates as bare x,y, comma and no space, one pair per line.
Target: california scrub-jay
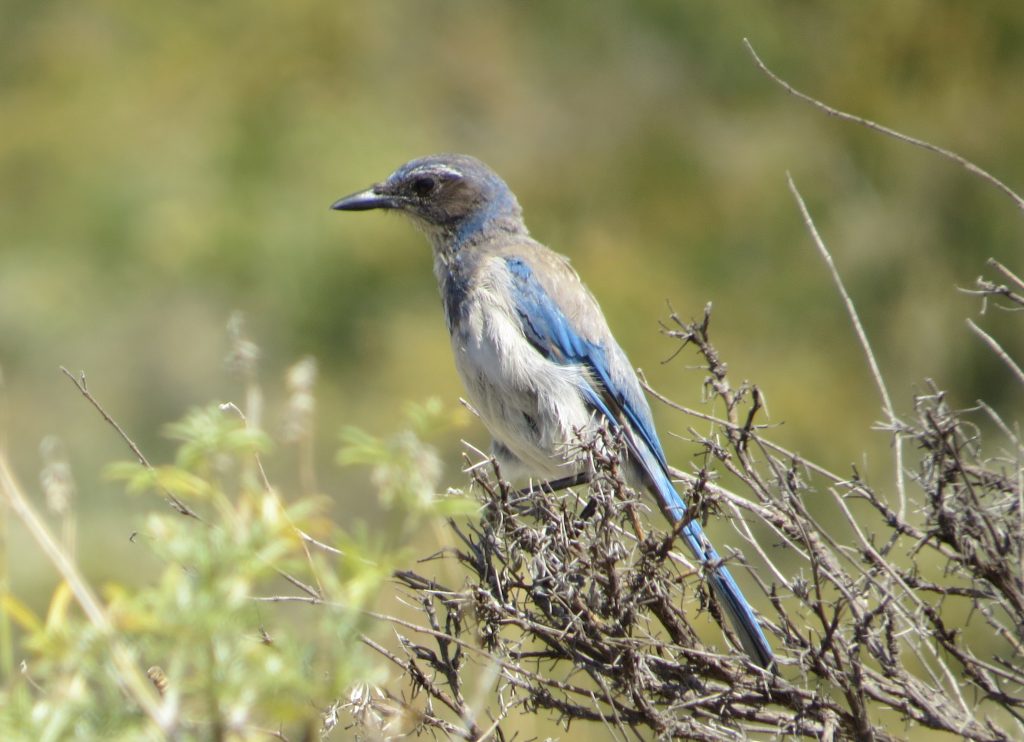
532,346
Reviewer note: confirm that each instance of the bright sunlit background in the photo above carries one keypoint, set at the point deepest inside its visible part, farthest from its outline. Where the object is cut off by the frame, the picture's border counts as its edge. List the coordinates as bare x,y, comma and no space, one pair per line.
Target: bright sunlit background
164,164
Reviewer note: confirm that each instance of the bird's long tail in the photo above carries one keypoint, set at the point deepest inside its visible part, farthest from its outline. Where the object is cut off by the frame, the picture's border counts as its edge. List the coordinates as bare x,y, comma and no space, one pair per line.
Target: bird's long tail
736,607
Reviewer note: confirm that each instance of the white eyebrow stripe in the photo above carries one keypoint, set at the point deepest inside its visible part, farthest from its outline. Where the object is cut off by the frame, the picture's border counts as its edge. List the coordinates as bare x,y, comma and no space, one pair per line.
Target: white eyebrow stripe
430,169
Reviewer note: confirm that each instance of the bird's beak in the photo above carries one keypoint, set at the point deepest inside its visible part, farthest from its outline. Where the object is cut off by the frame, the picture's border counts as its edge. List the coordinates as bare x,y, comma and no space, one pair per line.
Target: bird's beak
371,198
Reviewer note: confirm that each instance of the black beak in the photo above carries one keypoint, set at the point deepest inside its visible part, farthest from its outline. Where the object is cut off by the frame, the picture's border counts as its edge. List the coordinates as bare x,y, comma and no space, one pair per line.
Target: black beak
366,200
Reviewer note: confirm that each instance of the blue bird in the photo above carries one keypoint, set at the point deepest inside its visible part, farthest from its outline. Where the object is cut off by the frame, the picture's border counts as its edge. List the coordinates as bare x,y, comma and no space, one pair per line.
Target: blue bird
533,348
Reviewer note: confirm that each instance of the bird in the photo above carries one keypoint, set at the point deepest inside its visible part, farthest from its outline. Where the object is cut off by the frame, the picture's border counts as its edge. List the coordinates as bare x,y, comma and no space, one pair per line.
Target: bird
534,351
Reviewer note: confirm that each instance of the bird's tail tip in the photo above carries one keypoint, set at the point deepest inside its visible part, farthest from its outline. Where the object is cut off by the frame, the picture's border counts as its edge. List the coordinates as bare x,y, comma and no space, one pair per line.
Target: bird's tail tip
743,621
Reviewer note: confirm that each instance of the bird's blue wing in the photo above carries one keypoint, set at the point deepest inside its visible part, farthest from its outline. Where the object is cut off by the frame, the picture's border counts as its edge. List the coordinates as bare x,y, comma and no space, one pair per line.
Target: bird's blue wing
552,333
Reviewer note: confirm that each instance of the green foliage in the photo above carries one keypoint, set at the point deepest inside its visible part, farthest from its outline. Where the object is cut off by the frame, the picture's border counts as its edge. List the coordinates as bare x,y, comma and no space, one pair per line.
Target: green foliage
405,471
221,624
209,439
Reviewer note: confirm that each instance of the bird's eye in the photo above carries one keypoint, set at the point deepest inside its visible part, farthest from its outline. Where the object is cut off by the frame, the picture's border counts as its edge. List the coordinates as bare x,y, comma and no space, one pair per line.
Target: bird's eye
424,185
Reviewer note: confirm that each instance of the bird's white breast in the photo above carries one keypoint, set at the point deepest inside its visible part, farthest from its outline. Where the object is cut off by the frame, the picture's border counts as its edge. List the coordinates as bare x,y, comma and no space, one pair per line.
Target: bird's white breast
530,404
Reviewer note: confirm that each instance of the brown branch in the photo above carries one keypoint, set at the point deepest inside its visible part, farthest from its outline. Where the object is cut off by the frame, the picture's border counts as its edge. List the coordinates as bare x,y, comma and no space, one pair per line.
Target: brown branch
83,388
948,154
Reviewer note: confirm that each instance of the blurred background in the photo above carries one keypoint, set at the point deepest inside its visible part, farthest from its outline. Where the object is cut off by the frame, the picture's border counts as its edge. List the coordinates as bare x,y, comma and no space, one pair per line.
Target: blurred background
162,165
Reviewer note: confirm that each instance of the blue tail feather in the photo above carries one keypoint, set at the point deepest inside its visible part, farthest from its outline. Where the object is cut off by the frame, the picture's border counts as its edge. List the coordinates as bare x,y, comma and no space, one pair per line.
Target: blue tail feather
741,615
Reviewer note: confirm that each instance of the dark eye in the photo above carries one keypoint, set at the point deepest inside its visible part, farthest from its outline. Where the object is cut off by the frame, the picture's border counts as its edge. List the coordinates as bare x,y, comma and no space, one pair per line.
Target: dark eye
424,185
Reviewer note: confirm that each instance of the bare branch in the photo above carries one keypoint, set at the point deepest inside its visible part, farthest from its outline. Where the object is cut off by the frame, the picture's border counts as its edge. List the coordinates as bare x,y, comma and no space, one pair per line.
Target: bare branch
894,423
998,349
83,388
963,162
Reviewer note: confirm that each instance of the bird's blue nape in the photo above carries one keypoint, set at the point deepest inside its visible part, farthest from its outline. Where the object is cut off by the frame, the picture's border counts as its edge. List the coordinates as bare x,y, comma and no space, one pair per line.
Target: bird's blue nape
499,203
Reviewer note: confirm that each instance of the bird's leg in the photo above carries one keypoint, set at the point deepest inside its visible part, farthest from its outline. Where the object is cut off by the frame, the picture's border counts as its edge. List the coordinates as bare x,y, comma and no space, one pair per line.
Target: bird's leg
554,485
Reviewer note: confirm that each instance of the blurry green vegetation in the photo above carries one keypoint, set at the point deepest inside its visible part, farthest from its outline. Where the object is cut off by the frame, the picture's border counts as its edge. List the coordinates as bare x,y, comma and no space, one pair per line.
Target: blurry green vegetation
162,166
216,627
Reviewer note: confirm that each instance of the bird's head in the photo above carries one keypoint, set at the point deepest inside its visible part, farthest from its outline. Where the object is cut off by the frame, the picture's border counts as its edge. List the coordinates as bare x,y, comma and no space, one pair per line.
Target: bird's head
453,198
